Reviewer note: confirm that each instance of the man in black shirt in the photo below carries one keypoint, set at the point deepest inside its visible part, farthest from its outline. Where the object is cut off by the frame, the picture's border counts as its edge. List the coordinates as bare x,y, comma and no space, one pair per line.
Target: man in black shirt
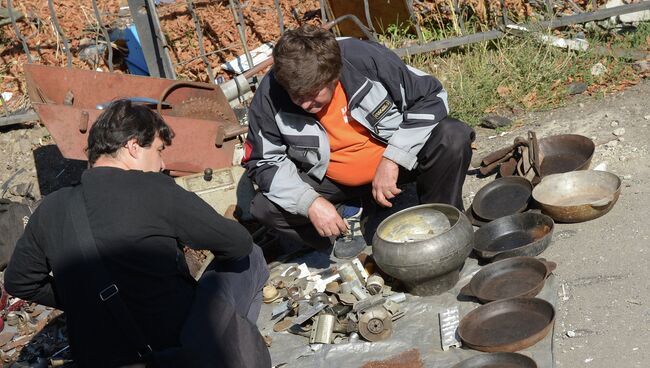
139,219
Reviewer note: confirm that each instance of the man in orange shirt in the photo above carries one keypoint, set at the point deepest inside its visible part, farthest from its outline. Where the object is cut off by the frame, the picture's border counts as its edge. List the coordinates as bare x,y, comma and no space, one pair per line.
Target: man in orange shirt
340,120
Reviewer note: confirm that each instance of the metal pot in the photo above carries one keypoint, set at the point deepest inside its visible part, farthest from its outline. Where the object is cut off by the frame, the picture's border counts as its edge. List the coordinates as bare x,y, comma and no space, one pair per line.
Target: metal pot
426,265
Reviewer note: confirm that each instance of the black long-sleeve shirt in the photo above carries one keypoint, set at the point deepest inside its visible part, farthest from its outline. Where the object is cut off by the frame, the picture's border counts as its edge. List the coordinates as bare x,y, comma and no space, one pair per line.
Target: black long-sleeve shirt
138,220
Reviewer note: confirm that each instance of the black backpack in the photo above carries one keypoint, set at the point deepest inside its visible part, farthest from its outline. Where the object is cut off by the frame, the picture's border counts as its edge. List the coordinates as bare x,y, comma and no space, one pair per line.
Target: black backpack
13,219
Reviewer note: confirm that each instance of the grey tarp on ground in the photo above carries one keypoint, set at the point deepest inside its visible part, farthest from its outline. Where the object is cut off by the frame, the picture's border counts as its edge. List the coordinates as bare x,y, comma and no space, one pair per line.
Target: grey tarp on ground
418,329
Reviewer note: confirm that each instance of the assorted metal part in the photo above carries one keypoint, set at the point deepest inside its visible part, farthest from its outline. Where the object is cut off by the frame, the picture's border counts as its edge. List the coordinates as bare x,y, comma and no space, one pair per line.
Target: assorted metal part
334,303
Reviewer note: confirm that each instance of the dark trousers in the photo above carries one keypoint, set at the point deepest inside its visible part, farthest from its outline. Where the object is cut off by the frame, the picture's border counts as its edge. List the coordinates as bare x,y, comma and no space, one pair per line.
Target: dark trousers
220,330
238,282
439,176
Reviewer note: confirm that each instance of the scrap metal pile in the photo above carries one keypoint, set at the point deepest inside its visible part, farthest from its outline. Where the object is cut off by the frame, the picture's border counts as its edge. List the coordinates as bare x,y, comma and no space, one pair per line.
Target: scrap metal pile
29,332
337,305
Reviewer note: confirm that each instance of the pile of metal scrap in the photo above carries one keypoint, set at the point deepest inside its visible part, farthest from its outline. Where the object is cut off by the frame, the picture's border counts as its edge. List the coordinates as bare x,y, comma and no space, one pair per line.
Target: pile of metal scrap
29,332
334,306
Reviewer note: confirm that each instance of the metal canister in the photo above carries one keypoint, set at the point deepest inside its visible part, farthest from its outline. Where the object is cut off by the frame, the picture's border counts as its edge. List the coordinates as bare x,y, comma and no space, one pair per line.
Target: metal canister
374,284
347,272
322,330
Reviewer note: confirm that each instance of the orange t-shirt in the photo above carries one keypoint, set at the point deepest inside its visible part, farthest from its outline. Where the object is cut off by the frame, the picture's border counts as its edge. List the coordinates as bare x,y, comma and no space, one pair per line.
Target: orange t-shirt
354,154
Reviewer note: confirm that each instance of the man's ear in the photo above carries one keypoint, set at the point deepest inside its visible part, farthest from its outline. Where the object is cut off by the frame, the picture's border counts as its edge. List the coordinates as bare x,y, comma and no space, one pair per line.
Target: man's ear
133,148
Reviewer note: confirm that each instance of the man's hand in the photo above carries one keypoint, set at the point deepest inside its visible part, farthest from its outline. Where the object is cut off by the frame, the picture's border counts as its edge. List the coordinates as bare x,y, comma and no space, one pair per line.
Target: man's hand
384,184
325,219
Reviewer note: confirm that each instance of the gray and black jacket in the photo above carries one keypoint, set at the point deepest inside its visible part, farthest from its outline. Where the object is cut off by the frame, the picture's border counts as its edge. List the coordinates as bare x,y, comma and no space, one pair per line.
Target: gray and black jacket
398,104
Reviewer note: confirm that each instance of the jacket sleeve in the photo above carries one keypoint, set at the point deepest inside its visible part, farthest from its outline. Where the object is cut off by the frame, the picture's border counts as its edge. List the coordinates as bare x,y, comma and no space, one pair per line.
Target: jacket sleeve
267,163
199,226
419,96
28,273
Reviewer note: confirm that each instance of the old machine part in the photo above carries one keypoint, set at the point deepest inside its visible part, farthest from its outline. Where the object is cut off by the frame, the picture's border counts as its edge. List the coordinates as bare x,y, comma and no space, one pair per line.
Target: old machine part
348,273
319,298
226,187
522,234
197,130
507,325
497,360
322,329
578,196
557,154
502,197
375,324
508,278
207,108
374,284
430,261
270,294
312,311
449,320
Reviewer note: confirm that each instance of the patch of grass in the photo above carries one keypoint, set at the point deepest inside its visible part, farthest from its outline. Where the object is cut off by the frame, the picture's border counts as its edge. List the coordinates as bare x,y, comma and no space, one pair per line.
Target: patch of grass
518,74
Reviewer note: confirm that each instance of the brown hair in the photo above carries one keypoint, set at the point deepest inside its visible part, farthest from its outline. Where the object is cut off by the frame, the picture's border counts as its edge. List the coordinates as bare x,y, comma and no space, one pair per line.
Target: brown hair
122,121
305,60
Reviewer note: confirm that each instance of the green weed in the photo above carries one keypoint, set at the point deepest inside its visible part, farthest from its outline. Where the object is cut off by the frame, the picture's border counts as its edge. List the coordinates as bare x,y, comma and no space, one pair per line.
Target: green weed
516,74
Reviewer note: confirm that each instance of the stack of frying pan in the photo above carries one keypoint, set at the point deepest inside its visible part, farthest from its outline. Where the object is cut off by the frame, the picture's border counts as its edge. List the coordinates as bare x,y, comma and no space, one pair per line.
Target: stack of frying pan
509,237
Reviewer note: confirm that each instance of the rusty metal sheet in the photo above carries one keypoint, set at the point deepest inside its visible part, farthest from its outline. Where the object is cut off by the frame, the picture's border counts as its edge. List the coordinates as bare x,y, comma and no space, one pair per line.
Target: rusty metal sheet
50,84
192,151
66,101
382,14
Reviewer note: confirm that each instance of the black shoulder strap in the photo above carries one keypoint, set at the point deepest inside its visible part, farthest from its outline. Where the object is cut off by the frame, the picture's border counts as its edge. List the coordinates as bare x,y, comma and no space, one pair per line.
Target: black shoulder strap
106,289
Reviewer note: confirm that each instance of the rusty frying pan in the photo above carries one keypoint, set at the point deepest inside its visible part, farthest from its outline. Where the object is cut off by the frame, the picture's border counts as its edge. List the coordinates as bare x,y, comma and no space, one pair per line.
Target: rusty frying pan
557,154
498,360
521,234
511,277
507,325
502,197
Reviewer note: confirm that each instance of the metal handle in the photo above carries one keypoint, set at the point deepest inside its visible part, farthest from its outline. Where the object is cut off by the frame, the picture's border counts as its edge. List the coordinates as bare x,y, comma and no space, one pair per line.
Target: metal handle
533,146
179,84
83,122
467,290
603,202
550,266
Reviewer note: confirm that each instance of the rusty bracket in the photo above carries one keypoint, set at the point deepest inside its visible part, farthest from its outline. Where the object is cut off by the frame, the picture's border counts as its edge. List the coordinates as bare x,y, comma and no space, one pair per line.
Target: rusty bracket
83,122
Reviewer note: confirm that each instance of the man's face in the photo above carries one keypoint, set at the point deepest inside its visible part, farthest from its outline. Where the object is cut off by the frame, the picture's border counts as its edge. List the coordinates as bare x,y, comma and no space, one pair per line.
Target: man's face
315,103
150,158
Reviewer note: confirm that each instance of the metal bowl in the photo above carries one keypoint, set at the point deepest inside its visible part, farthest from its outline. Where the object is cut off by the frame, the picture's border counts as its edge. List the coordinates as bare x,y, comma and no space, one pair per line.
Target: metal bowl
578,196
424,247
